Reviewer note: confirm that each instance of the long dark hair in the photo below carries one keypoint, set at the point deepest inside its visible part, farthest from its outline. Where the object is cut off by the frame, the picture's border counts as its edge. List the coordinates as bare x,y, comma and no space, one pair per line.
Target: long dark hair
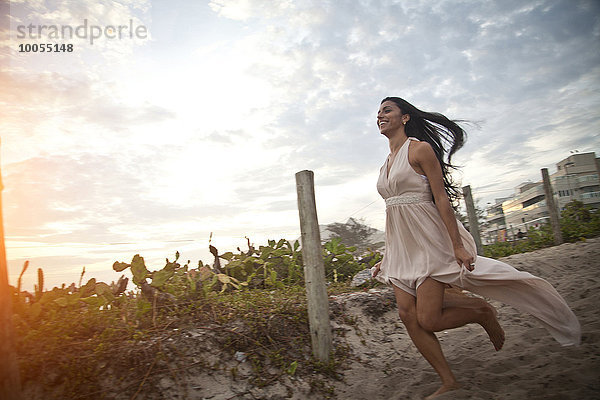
444,136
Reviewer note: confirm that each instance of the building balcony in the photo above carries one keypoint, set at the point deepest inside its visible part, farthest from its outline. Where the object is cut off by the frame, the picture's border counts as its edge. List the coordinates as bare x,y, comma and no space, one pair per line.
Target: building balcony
590,195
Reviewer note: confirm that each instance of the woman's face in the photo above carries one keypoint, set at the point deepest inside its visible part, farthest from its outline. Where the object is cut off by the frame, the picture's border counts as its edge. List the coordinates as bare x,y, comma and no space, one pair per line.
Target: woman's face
390,118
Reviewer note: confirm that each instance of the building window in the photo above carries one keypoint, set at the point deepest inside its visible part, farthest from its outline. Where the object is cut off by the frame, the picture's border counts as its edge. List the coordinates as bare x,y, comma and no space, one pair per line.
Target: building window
565,193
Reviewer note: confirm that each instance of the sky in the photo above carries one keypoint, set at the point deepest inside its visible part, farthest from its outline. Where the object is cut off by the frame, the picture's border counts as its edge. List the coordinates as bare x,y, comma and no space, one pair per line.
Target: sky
196,118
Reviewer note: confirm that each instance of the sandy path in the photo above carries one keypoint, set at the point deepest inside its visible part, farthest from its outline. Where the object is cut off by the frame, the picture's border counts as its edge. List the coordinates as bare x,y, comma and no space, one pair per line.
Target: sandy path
531,366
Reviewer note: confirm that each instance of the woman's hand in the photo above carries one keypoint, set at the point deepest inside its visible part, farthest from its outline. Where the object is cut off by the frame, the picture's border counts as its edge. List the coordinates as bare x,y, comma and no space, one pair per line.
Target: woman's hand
375,269
464,259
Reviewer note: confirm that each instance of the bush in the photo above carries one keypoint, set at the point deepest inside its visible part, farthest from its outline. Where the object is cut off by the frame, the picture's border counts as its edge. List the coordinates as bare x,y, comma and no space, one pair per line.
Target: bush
504,249
579,222
340,262
540,237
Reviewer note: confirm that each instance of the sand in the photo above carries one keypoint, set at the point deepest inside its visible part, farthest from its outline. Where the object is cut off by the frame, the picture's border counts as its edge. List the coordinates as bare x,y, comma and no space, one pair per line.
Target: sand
531,365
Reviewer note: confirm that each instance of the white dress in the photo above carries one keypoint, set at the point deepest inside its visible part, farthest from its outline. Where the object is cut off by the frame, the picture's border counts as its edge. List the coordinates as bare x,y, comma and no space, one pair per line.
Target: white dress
418,246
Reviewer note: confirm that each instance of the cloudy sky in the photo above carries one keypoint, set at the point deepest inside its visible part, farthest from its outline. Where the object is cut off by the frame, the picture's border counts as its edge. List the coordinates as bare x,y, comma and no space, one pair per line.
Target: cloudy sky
196,119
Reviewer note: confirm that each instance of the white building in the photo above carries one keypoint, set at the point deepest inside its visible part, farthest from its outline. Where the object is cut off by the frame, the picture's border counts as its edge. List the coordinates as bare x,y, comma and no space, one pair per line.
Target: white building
495,230
576,178
527,208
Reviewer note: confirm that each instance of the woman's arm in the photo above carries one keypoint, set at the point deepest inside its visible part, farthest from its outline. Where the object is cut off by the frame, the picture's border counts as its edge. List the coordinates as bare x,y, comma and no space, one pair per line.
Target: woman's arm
421,155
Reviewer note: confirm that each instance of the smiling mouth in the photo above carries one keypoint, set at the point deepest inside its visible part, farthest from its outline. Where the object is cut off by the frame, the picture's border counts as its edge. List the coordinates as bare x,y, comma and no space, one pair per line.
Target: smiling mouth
382,123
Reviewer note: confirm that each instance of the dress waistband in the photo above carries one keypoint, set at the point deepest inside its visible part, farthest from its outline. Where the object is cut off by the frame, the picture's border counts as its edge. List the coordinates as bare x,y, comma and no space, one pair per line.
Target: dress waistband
407,199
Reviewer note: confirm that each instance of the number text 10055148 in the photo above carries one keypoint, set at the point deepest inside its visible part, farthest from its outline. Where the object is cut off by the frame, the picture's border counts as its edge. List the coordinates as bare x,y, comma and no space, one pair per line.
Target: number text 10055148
45,48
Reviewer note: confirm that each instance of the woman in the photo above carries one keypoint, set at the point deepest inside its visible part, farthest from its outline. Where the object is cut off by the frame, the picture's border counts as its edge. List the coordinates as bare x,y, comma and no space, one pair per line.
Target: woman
427,249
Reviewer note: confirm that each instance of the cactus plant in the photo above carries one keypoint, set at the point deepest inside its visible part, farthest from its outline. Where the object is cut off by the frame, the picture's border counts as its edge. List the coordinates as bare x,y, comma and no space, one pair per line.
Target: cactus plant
21,276
81,277
39,288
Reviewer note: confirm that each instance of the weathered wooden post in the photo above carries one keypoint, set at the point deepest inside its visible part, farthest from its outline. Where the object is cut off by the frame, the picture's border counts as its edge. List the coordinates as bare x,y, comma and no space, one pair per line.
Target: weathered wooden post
10,381
472,215
314,269
554,221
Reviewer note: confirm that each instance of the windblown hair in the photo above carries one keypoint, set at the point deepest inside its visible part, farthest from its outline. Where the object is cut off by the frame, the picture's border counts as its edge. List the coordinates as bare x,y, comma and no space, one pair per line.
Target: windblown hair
444,136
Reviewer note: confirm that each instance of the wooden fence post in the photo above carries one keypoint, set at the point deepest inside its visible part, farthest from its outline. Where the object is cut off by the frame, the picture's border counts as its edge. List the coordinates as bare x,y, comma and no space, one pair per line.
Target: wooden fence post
314,269
554,220
472,215
10,381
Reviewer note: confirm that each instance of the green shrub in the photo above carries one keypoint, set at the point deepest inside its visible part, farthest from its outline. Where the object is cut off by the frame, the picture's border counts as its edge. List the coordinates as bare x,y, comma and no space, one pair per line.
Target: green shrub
340,262
578,222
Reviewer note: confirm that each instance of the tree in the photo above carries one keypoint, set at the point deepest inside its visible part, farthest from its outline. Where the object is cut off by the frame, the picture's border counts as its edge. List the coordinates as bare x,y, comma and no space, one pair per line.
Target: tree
355,233
577,221
577,211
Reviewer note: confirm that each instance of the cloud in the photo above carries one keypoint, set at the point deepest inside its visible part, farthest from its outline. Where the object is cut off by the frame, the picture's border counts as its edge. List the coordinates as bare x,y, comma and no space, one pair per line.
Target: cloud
77,98
225,137
505,64
115,117
90,198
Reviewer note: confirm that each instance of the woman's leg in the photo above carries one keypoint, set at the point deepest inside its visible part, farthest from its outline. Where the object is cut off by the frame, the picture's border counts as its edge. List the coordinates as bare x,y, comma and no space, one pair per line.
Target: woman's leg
434,314
454,297
425,341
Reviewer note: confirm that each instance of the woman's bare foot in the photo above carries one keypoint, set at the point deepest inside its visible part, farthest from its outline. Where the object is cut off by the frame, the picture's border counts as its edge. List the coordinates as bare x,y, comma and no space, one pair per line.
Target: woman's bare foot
490,323
445,388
